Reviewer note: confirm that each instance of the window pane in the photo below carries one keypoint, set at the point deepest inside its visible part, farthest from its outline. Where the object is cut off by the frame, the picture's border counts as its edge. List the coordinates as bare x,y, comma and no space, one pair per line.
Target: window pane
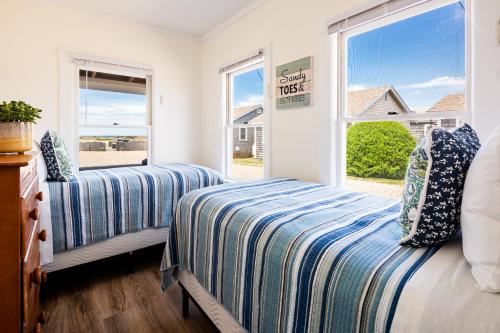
247,160
414,65
377,153
108,99
246,108
113,146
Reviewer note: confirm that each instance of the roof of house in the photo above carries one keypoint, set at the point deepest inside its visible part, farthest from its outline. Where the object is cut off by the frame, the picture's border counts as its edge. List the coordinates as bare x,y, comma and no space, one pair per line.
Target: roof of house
245,110
359,101
453,102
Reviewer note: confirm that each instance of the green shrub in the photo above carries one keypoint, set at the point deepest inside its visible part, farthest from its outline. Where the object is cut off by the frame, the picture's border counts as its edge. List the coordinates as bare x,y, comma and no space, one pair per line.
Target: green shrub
378,149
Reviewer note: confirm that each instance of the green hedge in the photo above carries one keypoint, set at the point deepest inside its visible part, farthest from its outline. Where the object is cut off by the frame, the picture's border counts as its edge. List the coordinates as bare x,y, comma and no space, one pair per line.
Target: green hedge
378,149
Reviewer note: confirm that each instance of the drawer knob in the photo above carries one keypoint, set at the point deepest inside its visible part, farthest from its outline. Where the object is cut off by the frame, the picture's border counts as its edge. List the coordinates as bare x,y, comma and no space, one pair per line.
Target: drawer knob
39,196
38,276
42,235
35,214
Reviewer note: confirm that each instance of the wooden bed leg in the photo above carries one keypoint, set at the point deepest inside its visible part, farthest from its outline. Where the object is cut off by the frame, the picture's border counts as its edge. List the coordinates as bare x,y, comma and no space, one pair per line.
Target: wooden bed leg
130,263
185,303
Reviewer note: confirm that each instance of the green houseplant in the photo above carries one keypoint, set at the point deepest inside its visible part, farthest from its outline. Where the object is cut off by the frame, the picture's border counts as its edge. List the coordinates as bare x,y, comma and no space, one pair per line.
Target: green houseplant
15,126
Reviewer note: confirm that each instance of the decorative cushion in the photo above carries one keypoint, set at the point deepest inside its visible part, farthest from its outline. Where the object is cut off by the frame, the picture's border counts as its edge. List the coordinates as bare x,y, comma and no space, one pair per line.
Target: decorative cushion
432,196
480,217
56,157
40,163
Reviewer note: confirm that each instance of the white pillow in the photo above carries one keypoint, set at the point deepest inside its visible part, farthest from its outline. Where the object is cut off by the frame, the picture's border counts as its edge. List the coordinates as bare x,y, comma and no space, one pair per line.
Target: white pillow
480,217
40,163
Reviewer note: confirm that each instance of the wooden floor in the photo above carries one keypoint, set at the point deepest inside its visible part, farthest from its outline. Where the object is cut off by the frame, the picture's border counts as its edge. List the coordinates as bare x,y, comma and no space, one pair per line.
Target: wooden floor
120,294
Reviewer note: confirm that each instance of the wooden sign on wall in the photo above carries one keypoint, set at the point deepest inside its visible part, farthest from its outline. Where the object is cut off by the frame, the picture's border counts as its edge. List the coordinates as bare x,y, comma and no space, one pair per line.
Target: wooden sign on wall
294,84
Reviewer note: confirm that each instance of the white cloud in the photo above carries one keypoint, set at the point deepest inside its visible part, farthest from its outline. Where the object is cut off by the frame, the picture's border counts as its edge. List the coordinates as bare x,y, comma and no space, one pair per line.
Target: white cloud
357,87
251,100
442,81
122,113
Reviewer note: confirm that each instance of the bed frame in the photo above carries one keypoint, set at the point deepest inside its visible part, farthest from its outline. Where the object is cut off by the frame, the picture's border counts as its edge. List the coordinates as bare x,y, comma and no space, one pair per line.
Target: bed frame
194,291
108,248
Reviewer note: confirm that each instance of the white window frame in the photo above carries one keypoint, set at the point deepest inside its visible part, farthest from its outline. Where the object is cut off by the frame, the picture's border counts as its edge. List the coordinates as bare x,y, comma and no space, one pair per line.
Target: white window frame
228,126
71,62
244,132
339,71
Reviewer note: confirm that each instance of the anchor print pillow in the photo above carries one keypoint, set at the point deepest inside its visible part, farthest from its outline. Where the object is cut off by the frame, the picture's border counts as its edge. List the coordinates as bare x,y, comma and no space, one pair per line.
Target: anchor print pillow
56,157
434,183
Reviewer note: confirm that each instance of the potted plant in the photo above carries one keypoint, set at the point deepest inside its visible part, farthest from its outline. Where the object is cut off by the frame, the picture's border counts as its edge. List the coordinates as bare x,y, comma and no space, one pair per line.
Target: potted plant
15,126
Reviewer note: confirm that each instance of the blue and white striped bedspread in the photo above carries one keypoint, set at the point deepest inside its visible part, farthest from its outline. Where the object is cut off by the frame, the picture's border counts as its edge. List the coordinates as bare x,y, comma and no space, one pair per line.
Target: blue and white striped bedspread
99,204
285,255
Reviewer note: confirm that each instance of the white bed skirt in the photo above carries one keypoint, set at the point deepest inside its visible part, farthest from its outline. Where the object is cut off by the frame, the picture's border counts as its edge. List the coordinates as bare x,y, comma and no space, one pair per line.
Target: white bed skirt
108,248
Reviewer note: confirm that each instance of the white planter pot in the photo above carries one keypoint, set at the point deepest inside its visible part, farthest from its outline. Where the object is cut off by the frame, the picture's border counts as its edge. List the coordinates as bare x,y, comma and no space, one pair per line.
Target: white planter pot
15,137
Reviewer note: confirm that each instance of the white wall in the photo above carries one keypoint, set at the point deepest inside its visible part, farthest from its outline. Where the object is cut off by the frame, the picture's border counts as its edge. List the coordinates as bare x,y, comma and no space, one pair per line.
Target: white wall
32,35
301,138
485,66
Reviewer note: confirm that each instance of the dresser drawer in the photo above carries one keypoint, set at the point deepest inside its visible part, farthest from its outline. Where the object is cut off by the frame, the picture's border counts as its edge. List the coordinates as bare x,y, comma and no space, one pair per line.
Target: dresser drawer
33,278
28,173
29,212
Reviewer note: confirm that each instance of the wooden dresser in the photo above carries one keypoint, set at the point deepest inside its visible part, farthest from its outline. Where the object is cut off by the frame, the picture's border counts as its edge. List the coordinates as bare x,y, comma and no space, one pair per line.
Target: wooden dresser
20,273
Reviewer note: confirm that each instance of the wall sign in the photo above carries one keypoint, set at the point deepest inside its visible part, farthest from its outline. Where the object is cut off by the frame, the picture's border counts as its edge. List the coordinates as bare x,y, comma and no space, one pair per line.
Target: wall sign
294,84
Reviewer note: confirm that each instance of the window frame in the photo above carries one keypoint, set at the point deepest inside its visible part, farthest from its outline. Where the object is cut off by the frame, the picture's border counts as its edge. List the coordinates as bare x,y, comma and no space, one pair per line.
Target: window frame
118,68
228,126
339,86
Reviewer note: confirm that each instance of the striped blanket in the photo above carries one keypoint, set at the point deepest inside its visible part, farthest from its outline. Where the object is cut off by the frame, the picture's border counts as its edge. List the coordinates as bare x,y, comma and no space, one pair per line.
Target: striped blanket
99,204
285,255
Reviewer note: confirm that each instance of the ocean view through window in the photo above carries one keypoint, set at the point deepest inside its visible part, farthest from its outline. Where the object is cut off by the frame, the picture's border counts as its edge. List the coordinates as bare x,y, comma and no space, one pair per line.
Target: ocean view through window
113,119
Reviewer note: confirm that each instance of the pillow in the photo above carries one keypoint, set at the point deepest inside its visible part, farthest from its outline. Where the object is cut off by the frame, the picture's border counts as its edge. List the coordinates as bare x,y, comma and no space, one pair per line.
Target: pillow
481,215
40,163
56,157
432,195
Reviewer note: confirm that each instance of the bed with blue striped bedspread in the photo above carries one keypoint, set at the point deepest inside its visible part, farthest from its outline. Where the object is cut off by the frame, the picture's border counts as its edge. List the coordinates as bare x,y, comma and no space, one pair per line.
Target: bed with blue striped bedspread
284,255
96,205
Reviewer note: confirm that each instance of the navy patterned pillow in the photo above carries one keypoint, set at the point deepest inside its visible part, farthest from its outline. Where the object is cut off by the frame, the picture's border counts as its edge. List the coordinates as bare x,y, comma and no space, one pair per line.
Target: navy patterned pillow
432,196
56,157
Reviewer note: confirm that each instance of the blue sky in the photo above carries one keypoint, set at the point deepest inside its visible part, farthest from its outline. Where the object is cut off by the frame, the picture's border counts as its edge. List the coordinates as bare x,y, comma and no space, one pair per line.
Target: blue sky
422,57
248,88
106,107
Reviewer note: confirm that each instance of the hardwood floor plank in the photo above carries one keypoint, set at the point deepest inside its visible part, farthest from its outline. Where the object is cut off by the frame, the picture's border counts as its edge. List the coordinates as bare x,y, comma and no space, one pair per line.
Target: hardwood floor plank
120,294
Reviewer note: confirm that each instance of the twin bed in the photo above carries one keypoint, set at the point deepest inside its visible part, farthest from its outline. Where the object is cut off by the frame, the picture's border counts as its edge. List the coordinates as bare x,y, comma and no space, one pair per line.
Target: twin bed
278,255
283,255
100,213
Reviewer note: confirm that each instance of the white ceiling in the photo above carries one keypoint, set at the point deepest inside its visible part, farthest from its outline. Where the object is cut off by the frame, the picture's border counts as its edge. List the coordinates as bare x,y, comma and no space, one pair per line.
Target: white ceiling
195,17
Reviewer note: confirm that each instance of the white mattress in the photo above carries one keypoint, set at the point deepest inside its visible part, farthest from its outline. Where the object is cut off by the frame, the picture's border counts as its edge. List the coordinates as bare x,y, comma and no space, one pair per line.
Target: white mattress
441,297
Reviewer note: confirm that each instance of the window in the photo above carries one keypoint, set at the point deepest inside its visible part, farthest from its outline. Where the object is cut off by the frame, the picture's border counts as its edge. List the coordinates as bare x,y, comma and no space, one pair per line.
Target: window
243,134
114,119
399,76
245,122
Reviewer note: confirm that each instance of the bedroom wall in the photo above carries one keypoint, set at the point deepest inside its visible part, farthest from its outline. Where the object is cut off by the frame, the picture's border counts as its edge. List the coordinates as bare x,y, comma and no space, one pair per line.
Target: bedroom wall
301,139
33,33
486,66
